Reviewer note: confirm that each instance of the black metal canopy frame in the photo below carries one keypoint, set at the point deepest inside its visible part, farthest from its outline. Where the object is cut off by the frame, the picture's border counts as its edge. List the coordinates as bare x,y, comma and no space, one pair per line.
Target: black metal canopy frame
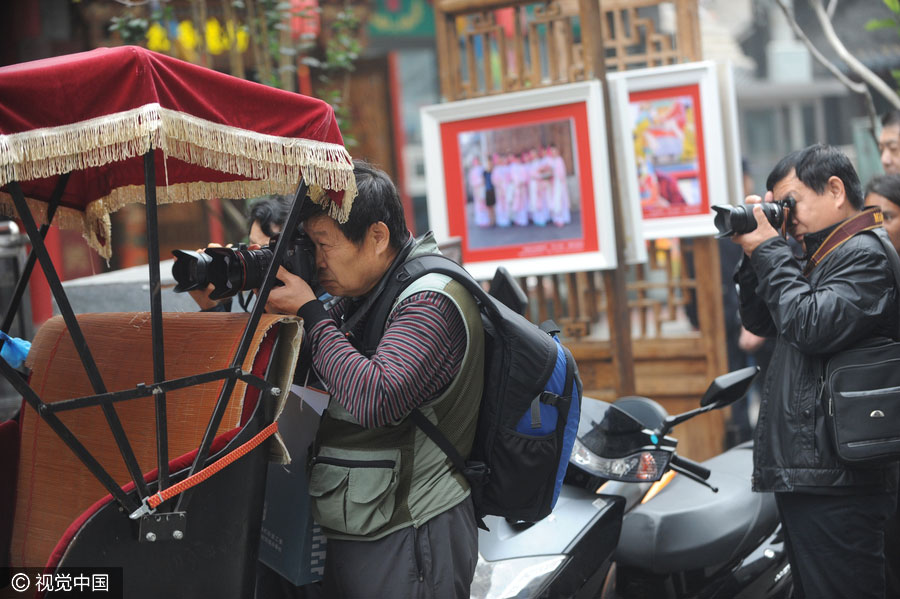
137,507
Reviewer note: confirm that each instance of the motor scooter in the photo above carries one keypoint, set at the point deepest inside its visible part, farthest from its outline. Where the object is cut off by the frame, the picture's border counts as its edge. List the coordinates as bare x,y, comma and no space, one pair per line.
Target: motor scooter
635,519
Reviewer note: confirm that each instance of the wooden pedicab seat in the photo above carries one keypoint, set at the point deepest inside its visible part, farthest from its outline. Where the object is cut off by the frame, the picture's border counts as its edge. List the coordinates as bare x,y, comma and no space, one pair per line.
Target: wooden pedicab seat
64,517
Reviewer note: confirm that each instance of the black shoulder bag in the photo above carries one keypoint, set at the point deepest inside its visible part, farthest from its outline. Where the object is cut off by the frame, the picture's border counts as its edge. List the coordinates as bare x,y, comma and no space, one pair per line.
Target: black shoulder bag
861,393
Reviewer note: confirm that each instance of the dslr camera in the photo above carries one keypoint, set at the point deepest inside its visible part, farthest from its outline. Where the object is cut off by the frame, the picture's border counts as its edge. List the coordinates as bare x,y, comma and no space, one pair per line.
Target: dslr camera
737,220
231,269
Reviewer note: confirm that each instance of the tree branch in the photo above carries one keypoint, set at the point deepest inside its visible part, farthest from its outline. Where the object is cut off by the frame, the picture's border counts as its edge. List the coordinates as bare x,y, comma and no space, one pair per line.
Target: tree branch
856,87
855,65
832,7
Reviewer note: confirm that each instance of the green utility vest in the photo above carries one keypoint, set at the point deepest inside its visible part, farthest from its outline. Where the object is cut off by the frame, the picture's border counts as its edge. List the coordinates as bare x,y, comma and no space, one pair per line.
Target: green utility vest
368,483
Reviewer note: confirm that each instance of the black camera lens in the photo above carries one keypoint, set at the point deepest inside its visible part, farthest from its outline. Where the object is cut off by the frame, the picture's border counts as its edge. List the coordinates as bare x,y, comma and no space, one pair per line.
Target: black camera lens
231,270
190,270
737,220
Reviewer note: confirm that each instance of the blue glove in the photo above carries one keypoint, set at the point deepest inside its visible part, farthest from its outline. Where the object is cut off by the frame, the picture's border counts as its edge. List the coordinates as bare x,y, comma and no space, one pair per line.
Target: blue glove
14,350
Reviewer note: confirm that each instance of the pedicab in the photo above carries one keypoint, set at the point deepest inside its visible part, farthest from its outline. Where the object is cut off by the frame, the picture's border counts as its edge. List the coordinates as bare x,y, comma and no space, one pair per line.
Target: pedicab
145,449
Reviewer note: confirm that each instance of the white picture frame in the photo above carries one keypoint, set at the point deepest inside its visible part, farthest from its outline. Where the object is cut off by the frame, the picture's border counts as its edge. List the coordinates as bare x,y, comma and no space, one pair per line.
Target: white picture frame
731,135
663,138
569,117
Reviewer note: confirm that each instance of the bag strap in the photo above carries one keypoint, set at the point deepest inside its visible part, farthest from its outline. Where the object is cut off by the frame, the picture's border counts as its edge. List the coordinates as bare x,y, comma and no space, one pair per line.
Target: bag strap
868,219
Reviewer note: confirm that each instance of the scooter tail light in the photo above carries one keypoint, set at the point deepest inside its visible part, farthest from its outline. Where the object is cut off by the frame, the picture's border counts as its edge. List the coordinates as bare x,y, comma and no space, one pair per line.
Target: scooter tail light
643,466
647,468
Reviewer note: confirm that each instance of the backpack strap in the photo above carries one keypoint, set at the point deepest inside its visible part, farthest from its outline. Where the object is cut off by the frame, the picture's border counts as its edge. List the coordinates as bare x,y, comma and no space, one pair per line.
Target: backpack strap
438,437
550,327
552,399
401,278
475,473
384,292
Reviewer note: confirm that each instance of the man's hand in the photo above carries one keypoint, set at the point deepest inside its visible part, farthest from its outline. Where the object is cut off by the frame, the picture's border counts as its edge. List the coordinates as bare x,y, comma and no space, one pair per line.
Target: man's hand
750,343
289,298
201,296
763,231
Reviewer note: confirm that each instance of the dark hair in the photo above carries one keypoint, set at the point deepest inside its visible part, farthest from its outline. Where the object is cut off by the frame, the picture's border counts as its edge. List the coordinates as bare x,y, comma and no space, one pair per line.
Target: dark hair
269,211
887,186
814,166
890,118
377,201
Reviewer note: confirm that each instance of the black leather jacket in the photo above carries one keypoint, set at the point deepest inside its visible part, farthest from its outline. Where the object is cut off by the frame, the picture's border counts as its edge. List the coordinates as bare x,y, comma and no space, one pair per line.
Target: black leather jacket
850,296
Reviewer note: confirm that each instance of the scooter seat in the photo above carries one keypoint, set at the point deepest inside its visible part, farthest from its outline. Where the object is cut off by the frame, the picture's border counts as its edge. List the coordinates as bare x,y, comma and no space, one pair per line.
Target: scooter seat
687,526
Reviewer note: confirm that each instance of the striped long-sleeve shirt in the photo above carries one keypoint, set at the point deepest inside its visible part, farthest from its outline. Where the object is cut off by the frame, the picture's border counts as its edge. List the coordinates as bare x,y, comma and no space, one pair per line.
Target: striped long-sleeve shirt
418,356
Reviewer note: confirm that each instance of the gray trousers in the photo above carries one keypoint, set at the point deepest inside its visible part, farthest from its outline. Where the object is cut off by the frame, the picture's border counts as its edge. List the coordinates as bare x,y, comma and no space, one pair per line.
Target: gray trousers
435,561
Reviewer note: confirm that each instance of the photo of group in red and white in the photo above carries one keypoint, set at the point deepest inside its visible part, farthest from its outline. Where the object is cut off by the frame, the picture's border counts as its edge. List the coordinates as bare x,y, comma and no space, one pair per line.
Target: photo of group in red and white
521,184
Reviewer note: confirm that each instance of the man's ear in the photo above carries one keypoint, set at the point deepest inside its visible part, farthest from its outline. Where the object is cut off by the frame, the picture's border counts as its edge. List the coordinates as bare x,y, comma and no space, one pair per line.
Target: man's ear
380,236
835,188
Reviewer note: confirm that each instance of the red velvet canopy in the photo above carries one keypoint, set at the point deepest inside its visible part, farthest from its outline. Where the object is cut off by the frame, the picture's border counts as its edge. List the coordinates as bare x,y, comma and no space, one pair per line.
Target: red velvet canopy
95,114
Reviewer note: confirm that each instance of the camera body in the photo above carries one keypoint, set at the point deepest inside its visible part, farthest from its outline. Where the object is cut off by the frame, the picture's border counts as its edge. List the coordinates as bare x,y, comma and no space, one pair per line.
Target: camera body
234,269
737,220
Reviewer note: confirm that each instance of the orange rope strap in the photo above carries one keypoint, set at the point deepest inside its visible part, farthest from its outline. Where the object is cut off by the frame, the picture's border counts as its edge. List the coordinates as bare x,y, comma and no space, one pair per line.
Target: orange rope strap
157,498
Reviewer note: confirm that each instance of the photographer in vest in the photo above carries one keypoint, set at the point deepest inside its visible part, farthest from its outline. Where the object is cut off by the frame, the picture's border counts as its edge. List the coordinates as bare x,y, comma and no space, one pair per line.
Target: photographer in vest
398,517
834,297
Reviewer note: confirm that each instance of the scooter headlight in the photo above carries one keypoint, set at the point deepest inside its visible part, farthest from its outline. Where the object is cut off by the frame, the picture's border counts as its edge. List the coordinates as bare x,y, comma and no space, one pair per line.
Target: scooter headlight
641,467
521,577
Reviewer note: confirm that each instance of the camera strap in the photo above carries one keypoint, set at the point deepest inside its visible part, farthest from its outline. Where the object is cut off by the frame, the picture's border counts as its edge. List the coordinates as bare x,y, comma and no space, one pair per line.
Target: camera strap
870,218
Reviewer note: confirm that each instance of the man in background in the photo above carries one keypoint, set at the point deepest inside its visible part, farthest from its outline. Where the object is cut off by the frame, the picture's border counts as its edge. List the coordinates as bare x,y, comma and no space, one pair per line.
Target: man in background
881,192
889,142
267,216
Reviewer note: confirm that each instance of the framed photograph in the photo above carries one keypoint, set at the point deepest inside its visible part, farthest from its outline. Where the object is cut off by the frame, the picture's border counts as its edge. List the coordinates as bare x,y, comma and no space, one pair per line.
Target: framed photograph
523,180
669,128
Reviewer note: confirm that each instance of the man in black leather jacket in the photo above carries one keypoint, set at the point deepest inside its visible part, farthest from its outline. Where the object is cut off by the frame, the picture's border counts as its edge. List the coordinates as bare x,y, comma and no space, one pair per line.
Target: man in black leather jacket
833,514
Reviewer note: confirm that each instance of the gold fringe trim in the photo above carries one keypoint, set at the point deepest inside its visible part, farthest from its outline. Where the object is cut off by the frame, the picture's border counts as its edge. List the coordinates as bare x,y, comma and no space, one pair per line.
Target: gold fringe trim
94,222
274,163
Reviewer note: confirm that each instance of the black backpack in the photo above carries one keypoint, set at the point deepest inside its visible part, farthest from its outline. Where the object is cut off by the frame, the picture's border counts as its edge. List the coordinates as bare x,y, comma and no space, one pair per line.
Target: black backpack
530,402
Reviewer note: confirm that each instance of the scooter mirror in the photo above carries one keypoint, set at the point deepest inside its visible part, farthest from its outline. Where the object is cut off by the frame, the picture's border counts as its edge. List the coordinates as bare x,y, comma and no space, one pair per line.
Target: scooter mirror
618,434
728,388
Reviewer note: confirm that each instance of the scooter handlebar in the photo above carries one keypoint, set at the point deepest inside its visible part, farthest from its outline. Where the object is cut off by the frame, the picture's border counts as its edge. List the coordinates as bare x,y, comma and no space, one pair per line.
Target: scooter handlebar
690,466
